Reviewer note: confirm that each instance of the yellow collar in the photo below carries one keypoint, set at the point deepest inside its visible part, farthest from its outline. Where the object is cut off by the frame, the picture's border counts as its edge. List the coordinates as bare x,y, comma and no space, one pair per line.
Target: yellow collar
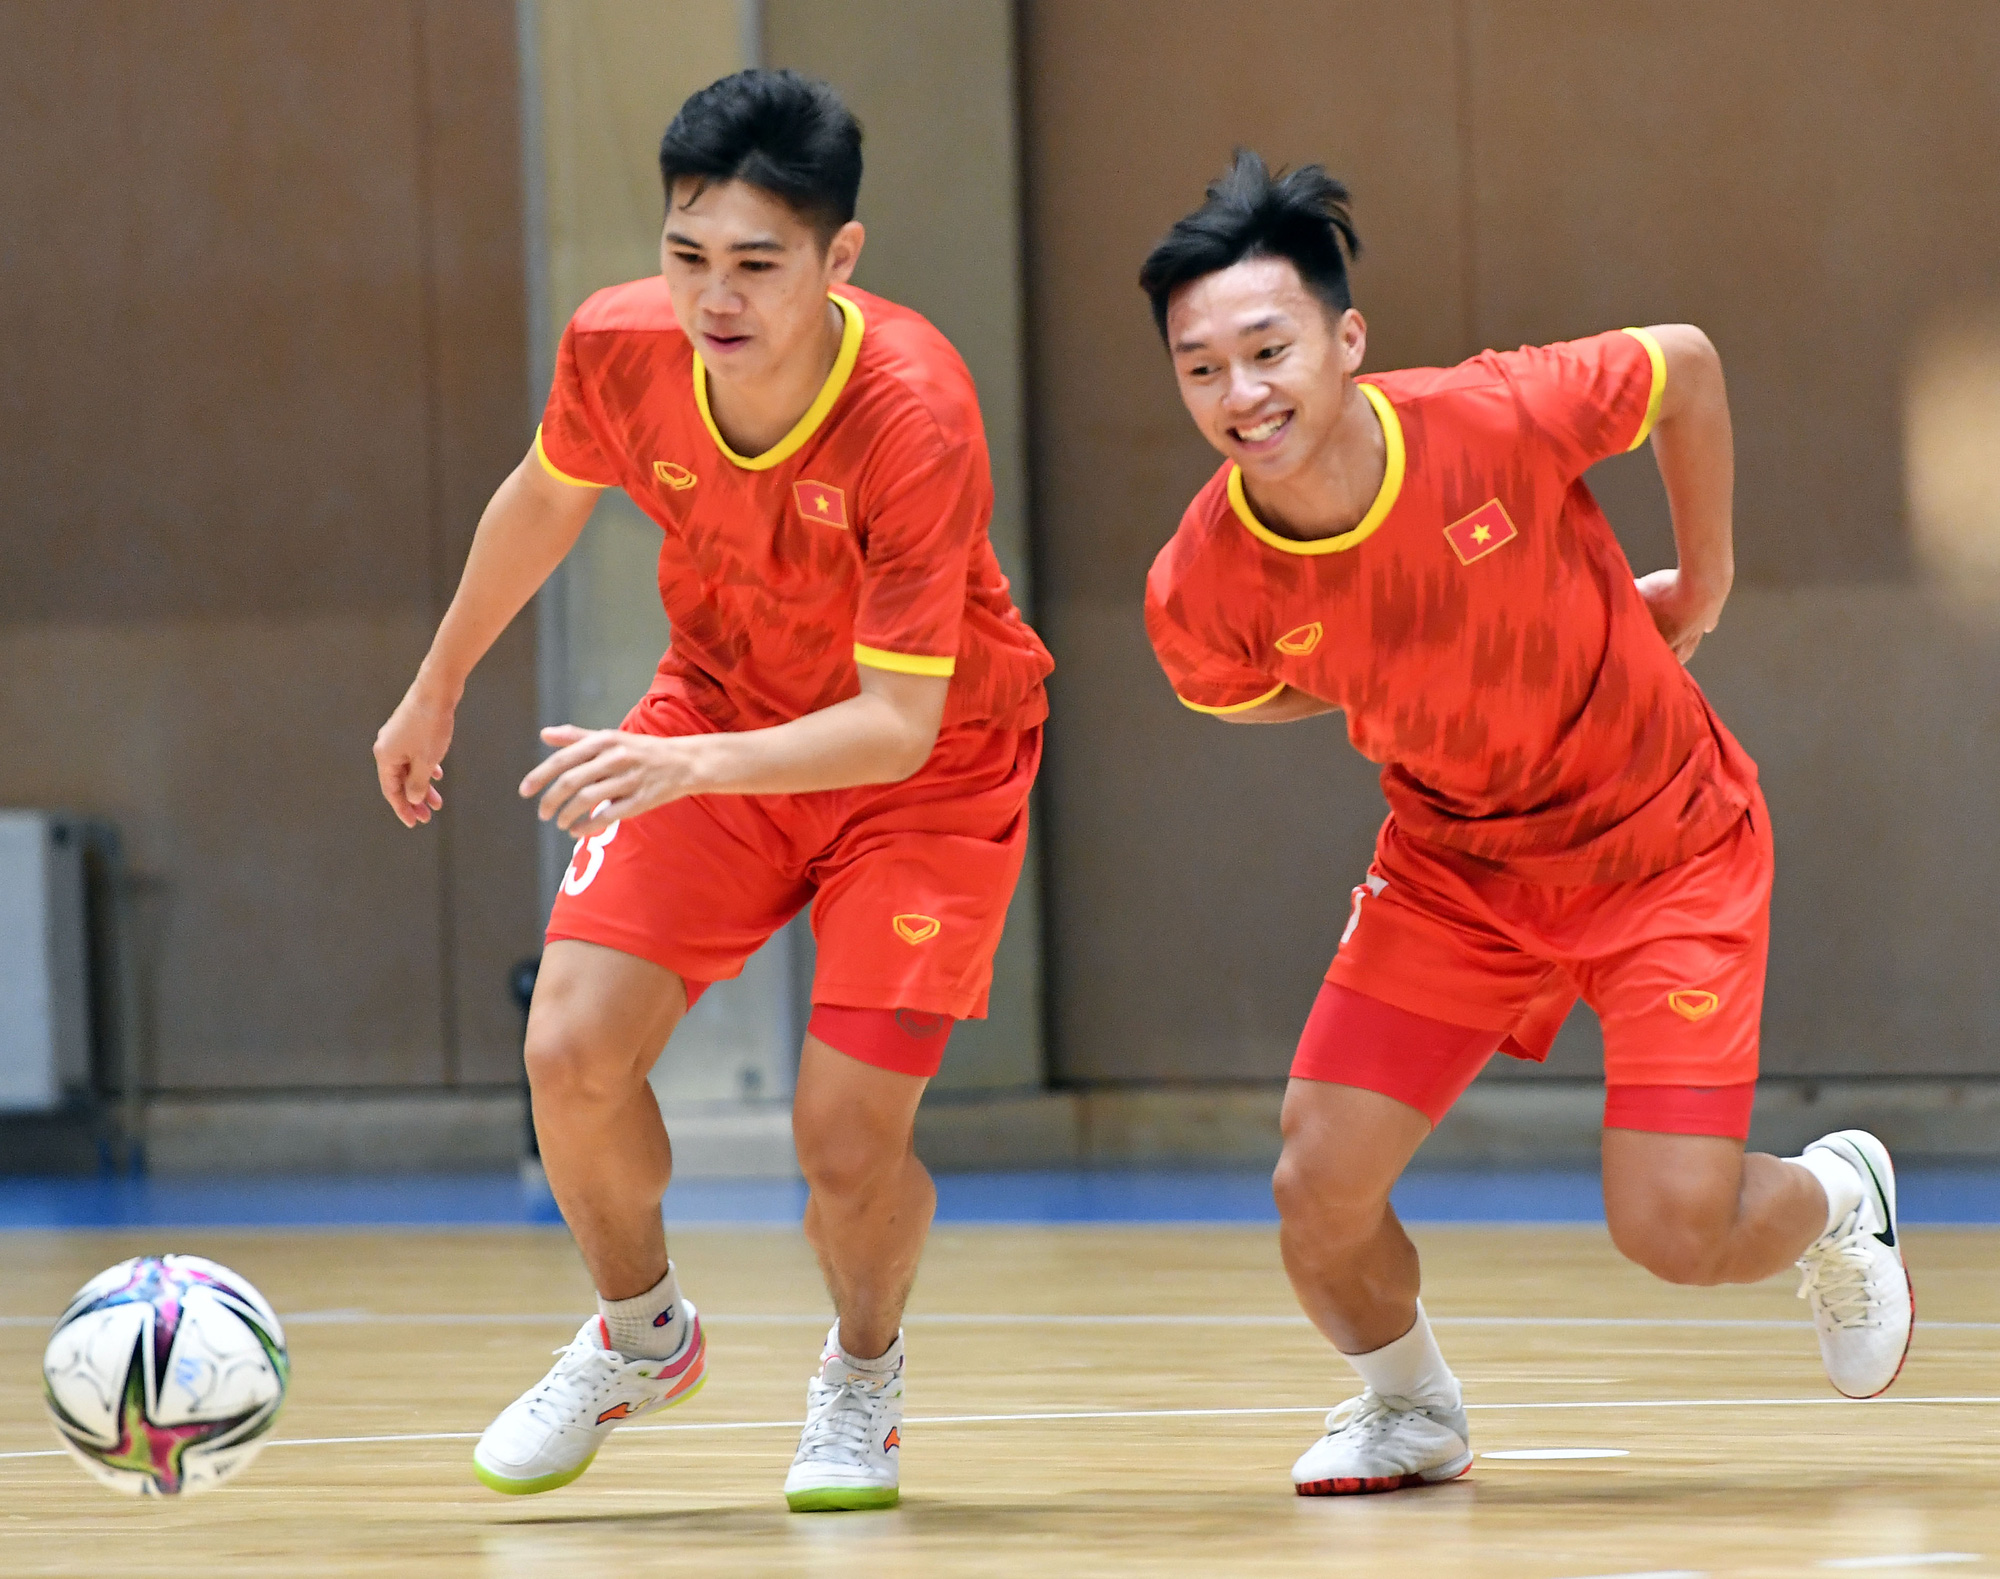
1378,512
806,426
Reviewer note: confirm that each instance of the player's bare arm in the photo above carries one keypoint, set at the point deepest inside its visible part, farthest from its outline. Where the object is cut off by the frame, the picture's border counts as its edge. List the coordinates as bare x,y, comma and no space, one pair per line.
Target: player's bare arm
1696,456
601,776
531,522
1288,706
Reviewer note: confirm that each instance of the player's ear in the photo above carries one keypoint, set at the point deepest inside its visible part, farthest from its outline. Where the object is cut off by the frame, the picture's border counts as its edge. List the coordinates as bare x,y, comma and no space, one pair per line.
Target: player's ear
844,251
1353,332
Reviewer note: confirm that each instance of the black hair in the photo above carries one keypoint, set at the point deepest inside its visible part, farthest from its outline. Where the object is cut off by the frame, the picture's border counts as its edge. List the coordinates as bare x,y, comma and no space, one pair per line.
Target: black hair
1250,213
776,130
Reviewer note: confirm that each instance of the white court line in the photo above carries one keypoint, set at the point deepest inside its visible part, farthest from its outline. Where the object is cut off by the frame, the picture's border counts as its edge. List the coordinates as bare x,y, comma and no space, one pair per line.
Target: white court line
1135,1414
1914,1560
362,1318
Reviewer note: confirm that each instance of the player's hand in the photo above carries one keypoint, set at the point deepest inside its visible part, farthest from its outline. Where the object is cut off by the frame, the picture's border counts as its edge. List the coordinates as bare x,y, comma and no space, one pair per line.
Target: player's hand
409,753
1683,611
596,777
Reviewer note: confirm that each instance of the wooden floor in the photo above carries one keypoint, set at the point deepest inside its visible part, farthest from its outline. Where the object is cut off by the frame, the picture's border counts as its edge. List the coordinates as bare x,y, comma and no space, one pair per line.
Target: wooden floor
1080,1402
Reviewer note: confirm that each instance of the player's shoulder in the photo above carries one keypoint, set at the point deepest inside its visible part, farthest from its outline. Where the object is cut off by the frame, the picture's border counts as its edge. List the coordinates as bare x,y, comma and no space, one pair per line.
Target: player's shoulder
1495,370
636,307
911,374
1202,546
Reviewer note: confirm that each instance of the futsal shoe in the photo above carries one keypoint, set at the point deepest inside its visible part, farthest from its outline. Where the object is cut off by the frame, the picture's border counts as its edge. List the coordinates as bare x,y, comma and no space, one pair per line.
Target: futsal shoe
1854,1276
1374,1443
548,1436
848,1452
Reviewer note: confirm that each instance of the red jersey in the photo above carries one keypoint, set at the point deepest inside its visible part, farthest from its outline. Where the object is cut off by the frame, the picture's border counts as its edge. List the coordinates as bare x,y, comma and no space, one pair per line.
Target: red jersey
1479,627
859,538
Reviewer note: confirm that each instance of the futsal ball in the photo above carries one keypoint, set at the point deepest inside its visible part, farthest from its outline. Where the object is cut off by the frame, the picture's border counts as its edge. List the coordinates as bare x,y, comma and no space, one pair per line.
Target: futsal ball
164,1374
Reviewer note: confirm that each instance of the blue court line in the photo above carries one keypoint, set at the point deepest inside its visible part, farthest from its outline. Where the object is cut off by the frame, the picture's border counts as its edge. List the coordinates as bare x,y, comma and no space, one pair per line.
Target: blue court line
1928,1196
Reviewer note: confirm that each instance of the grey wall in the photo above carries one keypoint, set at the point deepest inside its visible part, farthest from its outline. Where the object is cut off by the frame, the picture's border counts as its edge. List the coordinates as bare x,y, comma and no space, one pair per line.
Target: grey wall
260,294
1809,182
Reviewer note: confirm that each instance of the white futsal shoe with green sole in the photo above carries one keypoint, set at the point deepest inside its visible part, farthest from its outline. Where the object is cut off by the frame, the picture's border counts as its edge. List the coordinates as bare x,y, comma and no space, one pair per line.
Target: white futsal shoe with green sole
548,1436
1854,1276
848,1452
1374,1443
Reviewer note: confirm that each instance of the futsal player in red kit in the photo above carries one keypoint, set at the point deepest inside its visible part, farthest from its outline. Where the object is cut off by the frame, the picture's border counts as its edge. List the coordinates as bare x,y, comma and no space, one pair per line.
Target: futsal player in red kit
1567,816
849,716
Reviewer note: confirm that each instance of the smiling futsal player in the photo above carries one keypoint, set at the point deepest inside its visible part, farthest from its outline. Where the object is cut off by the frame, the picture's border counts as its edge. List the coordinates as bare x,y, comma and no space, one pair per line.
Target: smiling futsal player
849,716
1567,816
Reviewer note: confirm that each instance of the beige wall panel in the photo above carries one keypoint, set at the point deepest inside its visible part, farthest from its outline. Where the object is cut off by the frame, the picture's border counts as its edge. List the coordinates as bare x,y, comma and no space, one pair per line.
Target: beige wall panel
934,88
241,425
478,361
1198,876
262,303
1807,179
286,923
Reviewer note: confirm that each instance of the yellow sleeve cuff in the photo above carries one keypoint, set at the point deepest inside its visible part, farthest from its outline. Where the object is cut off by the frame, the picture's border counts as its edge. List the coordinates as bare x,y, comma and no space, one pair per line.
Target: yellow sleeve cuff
1659,360
904,662
1233,707
557,472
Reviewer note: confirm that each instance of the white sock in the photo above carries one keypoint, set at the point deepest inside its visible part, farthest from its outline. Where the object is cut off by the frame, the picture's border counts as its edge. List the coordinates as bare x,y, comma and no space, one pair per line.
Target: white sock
1412,1369
887,1363
648,1326
1838,1177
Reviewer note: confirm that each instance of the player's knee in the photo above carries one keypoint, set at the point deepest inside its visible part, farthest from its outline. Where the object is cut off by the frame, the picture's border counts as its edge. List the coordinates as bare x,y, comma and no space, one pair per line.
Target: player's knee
1676,1238
848,1157
567,1063
1314,1182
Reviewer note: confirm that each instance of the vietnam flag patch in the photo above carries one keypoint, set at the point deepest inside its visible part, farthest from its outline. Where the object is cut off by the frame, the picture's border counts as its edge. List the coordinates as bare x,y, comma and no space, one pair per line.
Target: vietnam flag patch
1486,529
821,503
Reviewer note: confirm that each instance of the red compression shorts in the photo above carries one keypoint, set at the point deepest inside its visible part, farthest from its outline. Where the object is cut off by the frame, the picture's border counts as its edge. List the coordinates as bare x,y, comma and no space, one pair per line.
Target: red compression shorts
909,883
1445,962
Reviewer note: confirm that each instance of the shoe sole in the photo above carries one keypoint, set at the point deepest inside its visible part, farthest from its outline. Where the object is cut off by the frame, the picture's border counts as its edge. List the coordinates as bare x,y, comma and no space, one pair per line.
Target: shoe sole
842,1499
1850,1147
507,1487
1361,1485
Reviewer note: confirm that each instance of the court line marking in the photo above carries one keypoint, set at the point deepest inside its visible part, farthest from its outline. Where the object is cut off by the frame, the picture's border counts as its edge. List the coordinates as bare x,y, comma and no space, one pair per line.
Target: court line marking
1137,1414
1539,1454
357,1318
1913,1560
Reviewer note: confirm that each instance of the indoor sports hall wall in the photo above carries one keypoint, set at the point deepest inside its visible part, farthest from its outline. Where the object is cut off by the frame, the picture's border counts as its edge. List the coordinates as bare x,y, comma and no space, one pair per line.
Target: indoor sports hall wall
1796,176
265,356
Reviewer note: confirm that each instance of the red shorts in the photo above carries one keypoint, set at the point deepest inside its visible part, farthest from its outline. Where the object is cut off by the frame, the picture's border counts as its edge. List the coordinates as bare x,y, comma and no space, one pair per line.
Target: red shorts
909,883
1673,964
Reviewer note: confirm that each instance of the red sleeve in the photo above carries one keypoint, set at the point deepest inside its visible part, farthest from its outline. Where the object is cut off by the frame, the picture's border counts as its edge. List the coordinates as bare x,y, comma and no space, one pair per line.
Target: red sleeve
1590,398
566,442
916,559
1208,669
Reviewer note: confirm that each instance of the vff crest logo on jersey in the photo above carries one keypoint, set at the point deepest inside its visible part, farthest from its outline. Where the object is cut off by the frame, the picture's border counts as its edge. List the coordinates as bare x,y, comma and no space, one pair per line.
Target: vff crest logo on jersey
913,928
1297,643
821,503
1486,530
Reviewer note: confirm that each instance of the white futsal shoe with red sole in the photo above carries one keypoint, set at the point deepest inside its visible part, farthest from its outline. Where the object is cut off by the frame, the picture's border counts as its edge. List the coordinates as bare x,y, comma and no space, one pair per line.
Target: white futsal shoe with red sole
1855,1279
548,1436
1374,1443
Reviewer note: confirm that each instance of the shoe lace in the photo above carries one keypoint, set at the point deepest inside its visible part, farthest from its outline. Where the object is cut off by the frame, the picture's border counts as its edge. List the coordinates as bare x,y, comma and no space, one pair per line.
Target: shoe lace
1833,1275
840,1419
580,1366
1365,1412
